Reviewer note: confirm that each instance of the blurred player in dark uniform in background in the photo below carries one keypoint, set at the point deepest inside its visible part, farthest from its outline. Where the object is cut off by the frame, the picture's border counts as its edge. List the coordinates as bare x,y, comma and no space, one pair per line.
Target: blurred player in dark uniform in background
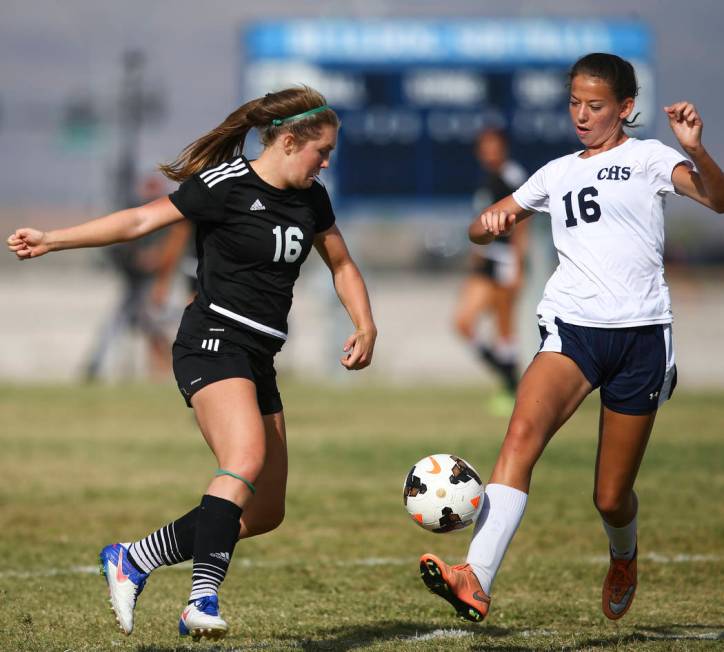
146,267
496,271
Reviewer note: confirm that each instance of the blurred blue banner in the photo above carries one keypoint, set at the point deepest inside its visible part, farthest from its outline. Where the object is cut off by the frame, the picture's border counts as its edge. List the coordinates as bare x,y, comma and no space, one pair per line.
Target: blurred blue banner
490,42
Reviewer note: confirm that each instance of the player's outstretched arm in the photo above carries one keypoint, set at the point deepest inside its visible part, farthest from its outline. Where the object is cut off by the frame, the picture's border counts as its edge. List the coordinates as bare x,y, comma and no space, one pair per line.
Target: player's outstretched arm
497,219
706,184
352,292
117,227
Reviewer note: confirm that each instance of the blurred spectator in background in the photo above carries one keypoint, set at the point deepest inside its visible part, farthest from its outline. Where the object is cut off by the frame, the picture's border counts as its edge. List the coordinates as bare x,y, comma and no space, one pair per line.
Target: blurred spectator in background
495,271
147,268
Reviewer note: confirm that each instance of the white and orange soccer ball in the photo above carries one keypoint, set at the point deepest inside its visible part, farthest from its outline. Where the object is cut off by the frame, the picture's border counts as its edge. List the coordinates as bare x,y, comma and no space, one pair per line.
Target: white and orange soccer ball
443,493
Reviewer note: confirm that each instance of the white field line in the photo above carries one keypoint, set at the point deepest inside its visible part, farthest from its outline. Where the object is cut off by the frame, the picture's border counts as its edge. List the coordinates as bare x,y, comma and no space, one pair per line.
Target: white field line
653,557
684,635
658,558
244,563
439,633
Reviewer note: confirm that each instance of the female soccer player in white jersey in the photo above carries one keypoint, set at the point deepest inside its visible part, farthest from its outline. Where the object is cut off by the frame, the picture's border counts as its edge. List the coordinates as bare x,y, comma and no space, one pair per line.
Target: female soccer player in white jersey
256,222
605,320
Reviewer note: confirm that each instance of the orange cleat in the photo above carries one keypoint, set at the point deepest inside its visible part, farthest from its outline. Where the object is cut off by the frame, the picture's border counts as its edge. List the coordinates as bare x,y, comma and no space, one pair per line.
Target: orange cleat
456,584
619,587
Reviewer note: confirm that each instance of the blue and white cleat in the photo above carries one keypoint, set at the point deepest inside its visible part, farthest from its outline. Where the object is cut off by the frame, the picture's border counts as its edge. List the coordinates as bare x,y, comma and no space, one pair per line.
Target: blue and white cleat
201,619
125,583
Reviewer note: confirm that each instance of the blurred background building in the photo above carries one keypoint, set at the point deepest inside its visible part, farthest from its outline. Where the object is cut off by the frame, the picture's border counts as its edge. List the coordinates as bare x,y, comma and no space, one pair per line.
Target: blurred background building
94,95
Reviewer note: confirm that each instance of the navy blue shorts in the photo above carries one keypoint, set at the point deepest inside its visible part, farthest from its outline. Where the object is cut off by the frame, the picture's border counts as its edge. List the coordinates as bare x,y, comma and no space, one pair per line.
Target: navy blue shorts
634,367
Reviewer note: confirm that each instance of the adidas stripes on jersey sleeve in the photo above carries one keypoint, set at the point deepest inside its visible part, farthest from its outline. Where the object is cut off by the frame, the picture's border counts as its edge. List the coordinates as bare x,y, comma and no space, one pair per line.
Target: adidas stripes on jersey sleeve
197,202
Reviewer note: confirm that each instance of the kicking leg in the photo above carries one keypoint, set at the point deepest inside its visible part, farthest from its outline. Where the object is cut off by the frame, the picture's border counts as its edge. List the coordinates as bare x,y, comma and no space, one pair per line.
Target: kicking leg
174,542
228,415
550,391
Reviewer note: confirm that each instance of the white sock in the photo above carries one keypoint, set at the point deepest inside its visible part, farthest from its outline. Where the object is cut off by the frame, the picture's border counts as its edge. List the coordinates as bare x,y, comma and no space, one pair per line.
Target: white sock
622,539
499,518
506,351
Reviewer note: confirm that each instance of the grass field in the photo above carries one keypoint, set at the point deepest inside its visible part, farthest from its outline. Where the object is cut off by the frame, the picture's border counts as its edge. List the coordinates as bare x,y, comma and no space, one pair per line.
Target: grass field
85,466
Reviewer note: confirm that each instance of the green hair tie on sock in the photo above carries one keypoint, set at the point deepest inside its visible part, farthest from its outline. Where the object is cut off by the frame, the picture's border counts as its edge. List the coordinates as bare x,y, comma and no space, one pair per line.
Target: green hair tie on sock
238,477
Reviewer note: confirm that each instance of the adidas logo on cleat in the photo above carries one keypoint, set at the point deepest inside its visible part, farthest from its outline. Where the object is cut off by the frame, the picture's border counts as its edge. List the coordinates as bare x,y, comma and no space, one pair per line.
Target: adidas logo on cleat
257,206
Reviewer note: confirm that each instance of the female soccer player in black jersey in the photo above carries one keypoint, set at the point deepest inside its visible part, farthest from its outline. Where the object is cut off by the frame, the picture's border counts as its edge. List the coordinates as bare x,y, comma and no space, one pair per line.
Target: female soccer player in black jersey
256,222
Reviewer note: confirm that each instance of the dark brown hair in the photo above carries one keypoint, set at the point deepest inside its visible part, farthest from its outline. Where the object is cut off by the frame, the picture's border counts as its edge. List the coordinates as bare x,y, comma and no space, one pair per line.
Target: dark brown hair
227,140
618,73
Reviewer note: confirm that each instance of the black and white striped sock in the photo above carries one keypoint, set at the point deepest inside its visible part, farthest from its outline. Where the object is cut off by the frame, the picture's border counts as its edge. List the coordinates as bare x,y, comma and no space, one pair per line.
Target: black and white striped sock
217,532
169,545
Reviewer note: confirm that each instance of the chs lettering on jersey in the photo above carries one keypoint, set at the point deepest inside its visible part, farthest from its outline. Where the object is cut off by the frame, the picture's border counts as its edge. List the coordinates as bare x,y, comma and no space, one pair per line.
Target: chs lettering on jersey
608,229
251,240
614,173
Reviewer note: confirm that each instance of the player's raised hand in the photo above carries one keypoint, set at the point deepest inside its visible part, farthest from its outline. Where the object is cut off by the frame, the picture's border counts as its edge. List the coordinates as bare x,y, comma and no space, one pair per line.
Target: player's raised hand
686,123
28,243
497,222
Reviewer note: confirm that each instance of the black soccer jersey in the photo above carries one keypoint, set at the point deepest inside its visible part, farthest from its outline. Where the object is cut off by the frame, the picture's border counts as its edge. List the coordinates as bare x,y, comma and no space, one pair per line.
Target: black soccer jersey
251,241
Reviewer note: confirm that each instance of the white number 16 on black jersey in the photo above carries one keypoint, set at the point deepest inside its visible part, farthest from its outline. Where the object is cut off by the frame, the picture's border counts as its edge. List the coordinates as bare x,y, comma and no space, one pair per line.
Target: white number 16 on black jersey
291,243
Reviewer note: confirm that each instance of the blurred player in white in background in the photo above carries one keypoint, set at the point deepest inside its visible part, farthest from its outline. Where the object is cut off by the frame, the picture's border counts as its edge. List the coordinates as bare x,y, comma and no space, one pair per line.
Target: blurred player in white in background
496,272
605,321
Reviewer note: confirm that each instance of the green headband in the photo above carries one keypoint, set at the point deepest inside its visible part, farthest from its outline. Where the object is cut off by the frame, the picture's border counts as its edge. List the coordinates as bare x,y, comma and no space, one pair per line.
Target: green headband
280,121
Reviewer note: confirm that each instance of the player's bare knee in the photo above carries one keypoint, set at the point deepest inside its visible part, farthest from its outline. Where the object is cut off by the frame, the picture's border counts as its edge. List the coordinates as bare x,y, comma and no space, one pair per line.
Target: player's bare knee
274,520
246,467
271,520
610,504
522,439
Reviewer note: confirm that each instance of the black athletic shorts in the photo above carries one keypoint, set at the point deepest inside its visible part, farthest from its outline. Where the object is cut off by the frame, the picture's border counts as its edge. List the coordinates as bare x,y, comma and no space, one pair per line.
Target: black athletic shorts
204,353
500,272
634,367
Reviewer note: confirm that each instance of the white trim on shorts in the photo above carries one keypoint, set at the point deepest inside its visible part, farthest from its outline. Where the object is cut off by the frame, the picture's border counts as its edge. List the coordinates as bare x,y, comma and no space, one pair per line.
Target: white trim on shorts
553,341
670,373
248,322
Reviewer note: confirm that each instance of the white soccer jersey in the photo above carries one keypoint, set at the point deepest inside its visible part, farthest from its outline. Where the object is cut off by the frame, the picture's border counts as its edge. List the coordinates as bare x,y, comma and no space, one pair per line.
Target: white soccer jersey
608,229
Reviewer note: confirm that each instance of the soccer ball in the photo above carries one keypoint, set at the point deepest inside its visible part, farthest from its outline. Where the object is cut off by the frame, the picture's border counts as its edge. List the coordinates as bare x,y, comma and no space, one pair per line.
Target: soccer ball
443,493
